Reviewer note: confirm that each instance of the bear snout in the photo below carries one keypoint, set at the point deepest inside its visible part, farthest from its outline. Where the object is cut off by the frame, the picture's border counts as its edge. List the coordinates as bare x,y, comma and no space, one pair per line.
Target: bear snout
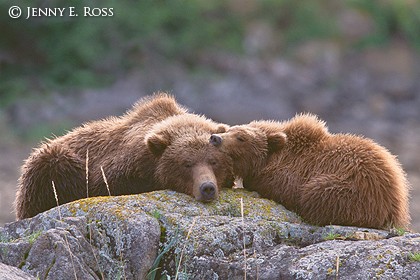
208,191
215,140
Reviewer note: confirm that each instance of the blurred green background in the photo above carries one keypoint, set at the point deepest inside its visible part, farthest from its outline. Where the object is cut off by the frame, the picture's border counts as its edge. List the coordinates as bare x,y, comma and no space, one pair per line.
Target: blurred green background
353,62
44,54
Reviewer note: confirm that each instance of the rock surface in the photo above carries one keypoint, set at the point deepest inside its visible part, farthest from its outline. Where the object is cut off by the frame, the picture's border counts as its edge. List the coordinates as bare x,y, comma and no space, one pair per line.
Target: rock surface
8,272
82,243
166,233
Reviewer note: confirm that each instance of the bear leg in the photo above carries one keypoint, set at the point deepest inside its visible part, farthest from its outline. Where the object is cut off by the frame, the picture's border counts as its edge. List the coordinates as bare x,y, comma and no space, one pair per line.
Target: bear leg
328,199
46,165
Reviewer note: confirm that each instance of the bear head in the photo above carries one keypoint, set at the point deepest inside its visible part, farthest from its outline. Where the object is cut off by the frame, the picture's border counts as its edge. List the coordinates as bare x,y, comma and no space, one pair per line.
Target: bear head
249,145
185,161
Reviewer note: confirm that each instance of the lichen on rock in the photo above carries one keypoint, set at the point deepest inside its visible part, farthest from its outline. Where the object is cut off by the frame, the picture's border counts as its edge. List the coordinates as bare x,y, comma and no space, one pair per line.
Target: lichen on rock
168,233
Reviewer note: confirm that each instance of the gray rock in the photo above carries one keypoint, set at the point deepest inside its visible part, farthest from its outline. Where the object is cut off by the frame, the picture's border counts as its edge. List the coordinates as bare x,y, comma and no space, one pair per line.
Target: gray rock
82,243
212,247
167,234
8,272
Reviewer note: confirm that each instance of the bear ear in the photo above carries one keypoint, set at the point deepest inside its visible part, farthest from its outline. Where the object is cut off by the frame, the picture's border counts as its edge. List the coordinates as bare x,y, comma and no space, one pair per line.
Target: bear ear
221,128
157,143
276,141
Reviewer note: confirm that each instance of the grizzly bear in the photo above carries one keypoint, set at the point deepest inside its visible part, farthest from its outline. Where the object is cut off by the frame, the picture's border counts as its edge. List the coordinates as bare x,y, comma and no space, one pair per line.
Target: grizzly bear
327,178
155,145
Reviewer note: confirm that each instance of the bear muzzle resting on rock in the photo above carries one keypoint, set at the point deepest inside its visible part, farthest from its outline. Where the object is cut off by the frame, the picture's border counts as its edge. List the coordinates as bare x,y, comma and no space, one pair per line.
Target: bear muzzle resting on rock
155,145
326,178
186,162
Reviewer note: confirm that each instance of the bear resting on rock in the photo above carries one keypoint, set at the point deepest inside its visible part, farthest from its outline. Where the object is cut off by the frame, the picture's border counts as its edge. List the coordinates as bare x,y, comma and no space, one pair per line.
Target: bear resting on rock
155,145
326,178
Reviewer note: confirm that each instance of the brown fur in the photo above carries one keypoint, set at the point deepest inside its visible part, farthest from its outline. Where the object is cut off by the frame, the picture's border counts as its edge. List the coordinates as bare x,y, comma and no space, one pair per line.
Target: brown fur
186,161
119,145
326,178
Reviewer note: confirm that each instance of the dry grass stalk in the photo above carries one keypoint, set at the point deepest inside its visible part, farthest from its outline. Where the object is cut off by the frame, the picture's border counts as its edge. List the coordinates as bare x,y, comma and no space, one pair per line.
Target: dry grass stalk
118,237
337,266
90,228
183,248
65,236
106,182
87,173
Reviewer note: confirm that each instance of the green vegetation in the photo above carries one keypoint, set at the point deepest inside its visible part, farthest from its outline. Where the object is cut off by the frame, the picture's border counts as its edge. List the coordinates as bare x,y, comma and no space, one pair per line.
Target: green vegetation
414,257
4,238
156,214
164,250
51,52
398,231
45,53
30,237
34,236
331,236
398,18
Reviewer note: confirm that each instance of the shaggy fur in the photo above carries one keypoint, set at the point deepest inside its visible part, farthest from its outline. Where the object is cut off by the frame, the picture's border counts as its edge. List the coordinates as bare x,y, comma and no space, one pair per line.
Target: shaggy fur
131,163
327,178
186,162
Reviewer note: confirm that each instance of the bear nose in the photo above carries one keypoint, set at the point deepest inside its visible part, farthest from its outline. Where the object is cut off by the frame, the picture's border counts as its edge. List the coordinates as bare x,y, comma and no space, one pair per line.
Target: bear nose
208,191
215,140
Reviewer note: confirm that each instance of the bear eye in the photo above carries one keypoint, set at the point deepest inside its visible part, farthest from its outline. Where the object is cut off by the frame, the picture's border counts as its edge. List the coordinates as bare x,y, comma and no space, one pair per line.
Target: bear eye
213,162
188,164
240,138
